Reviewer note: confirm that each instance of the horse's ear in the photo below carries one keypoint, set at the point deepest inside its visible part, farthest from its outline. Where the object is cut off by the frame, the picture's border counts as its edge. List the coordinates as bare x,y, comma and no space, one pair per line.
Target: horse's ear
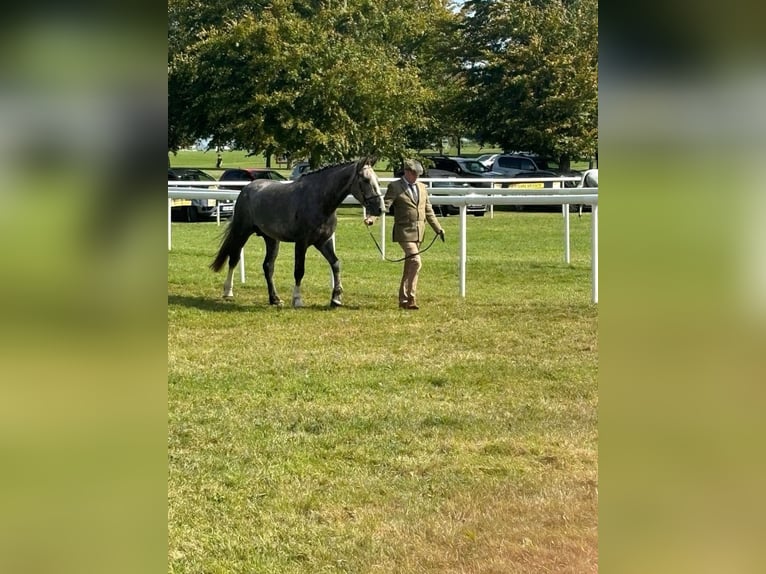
370,160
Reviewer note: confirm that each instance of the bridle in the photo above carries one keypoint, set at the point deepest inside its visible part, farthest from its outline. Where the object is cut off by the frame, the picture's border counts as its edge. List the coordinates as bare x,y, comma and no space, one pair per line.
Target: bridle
376,194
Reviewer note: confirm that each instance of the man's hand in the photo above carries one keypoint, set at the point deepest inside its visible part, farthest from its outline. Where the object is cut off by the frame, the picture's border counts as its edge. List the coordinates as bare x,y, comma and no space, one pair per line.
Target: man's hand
441,234
369,220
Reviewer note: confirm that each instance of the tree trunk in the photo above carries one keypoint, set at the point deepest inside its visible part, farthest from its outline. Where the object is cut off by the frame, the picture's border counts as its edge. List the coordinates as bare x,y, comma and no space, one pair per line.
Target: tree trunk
315,158
565,163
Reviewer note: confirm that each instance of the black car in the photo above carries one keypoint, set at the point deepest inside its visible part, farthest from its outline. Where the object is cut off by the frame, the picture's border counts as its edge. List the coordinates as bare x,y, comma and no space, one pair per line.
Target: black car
251,174
538,185
191,209
461,167
511,165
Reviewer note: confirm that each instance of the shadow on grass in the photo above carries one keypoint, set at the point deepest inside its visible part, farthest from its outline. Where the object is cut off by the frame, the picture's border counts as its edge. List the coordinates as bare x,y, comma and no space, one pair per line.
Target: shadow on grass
224,306
207,303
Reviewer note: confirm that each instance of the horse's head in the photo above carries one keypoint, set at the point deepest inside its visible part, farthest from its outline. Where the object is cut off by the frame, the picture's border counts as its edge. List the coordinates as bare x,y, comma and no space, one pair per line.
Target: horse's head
366,189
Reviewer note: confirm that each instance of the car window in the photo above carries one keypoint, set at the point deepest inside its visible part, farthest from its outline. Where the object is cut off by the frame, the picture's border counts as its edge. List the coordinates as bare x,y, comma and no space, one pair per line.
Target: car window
197,175
233,175
474,167
509,162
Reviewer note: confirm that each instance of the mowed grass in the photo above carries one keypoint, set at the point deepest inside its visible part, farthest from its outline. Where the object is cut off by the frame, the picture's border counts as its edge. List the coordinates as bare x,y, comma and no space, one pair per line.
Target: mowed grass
458,438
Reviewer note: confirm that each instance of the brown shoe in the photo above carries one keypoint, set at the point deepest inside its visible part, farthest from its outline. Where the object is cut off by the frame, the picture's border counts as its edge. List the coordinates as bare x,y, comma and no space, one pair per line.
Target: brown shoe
412,306
403,304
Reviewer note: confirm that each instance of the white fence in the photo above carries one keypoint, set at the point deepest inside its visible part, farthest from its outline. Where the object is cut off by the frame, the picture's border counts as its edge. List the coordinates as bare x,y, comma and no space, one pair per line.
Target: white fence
460,197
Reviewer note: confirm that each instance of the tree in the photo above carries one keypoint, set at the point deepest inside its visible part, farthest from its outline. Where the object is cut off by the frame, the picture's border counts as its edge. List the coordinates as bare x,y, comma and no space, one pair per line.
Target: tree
532,75
323,79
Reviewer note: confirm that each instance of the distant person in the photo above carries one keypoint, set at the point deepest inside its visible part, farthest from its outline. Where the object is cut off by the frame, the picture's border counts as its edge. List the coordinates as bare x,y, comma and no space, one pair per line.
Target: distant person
219,160
412,209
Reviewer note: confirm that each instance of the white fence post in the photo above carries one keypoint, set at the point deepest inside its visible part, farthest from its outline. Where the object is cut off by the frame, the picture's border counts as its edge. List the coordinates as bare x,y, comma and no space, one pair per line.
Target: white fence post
383,236
462,247
565,213
594,251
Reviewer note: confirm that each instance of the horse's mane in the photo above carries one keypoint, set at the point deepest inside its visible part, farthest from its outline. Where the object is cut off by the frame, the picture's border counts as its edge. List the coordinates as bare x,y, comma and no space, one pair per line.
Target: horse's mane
334,165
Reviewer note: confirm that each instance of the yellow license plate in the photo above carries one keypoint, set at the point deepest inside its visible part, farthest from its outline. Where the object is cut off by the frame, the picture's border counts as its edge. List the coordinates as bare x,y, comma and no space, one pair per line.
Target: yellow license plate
530,185
180,202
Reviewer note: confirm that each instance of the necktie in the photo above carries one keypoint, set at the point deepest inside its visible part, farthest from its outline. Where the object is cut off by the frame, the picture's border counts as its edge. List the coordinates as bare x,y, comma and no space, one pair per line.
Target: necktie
414,192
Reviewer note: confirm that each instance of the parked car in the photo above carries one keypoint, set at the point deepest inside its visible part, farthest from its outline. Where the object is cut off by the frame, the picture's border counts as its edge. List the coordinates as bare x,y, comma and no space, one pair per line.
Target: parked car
511,164
538,185
250,174
191,209
533,184
245,174
462,167
444,210
299,169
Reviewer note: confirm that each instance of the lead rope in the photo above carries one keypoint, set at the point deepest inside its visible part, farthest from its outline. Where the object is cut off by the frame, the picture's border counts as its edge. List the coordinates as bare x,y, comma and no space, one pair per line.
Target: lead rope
406,256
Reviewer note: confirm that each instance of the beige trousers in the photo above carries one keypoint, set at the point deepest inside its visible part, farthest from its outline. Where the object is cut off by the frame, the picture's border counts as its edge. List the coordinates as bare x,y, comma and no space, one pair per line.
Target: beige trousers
409,285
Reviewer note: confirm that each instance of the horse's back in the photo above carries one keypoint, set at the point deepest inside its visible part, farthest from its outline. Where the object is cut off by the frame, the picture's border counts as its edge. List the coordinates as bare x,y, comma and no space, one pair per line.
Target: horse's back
268,197
268,208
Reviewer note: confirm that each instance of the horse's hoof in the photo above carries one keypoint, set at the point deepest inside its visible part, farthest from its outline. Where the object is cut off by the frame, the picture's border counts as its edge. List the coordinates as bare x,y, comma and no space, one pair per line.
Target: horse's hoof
297,303
336,303
228,297
277,303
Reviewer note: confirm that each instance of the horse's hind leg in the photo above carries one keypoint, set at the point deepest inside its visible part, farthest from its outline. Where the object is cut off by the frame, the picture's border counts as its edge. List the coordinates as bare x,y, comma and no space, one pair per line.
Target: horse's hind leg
228,284
272,250
328,250
235,252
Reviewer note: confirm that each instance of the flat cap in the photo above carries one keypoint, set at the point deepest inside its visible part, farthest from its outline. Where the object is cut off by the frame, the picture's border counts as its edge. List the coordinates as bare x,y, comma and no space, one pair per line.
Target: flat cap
413,165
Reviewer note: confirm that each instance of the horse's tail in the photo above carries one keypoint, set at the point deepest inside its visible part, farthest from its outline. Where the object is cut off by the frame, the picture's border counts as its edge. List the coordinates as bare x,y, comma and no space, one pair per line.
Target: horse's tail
226,245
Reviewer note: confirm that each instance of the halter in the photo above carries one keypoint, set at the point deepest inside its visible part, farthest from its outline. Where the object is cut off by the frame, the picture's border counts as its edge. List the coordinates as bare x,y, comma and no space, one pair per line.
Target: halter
359,179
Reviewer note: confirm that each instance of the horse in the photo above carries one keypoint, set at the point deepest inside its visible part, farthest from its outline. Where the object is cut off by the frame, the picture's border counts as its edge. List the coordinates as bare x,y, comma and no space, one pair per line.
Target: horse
303,212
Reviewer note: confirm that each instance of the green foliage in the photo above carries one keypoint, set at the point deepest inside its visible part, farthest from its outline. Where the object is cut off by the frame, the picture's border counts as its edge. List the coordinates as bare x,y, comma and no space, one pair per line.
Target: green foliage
316,79
461,437
331,80
533,74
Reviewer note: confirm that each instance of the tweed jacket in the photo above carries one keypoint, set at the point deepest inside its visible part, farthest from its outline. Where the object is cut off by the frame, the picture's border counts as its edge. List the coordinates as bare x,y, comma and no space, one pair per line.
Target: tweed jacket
409,217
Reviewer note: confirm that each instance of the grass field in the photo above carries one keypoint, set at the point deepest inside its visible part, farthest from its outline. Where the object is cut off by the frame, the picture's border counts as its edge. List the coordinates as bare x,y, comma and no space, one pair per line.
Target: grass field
458,438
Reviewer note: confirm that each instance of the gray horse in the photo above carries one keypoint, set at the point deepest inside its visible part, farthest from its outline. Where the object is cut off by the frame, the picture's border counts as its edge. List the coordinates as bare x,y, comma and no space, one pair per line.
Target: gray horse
301,212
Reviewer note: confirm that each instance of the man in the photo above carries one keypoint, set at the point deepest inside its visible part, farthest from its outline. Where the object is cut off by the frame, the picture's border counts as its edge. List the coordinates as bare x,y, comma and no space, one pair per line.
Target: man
412,209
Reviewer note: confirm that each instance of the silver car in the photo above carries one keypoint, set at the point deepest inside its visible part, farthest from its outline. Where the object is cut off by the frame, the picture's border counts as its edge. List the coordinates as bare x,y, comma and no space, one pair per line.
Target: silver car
299,169
511,164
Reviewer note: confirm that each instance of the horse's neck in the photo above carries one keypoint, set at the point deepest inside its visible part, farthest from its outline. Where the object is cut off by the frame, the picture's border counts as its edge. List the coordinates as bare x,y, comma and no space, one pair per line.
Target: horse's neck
335,191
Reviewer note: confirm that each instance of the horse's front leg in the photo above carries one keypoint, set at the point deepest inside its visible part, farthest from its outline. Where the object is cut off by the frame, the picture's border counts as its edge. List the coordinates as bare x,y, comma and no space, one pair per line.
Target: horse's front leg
298,272
272,250
328,251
